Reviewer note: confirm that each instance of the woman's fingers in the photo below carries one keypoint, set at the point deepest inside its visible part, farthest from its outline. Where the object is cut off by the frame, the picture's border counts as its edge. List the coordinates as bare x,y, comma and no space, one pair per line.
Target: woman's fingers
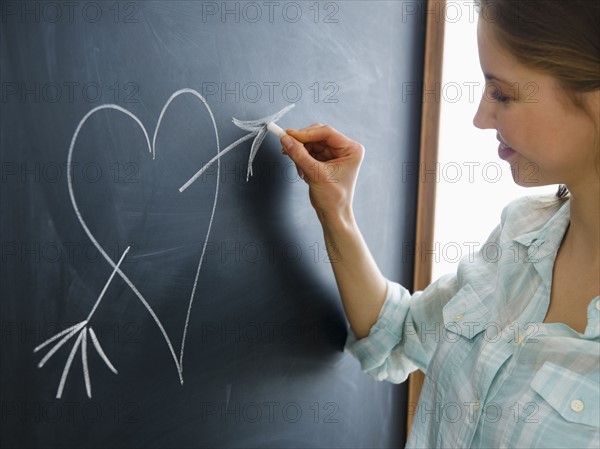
329,162
299,154
320,133
325,143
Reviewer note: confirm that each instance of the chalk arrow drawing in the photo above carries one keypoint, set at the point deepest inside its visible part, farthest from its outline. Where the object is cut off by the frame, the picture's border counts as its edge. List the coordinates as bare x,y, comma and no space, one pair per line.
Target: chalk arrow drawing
257,130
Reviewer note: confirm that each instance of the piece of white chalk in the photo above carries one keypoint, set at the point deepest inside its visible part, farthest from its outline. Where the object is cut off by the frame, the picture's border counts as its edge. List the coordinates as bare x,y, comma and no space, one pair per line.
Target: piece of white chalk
276,129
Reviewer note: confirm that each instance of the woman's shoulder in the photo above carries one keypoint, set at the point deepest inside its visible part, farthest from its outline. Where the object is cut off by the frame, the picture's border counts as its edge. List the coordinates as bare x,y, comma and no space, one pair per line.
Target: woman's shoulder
530,213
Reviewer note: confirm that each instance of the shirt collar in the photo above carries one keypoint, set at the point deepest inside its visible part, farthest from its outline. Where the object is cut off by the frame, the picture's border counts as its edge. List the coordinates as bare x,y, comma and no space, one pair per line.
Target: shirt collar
593,327
547,239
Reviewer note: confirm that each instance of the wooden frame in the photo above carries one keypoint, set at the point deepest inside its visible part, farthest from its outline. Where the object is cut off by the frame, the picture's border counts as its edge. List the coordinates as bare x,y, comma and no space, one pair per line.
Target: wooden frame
430,120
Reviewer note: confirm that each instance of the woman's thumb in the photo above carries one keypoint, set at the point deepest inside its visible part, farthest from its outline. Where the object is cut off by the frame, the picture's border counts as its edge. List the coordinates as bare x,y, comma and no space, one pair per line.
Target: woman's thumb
297,152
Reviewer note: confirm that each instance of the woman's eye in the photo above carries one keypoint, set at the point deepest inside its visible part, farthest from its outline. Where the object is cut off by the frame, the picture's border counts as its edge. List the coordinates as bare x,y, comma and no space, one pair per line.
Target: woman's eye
497,95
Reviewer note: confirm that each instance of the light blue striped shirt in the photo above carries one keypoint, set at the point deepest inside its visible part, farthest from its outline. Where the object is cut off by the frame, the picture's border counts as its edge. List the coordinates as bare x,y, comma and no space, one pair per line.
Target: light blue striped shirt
496,375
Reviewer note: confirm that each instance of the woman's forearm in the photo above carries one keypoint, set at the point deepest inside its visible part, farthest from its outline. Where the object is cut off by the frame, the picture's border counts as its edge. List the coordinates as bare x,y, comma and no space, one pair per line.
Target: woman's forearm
329,162
361,285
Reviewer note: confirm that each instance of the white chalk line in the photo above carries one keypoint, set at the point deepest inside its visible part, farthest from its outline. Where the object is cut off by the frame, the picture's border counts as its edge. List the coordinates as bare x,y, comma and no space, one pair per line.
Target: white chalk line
84,362
258,131
112,275
84,225
255,145
71,331
101,351
73,328
259,128
152,150
214,159
60,343
220,154
65,372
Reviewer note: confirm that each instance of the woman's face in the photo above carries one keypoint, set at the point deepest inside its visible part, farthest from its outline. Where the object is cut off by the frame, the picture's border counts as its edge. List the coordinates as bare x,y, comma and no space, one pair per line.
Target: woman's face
544,138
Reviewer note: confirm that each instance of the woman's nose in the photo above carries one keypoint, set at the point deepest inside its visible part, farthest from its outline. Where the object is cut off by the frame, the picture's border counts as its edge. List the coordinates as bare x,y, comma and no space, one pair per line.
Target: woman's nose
485,117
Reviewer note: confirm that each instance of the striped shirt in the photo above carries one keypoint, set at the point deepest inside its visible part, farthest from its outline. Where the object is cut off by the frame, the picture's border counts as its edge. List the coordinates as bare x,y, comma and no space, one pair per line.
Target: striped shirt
496,375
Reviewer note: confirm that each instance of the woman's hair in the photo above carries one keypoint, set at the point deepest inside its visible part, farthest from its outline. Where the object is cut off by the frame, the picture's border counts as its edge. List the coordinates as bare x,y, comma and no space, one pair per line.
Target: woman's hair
560,38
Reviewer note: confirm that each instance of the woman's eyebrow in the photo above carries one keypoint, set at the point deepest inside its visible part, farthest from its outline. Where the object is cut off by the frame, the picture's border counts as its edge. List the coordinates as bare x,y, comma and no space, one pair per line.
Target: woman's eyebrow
490,77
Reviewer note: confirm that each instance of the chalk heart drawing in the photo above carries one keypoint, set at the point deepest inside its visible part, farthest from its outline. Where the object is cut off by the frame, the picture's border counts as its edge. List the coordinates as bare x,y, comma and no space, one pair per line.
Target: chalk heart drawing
257,130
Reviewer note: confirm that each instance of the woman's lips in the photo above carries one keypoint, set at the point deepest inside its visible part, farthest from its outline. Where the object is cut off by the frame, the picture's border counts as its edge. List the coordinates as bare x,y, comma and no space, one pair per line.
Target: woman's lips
504,152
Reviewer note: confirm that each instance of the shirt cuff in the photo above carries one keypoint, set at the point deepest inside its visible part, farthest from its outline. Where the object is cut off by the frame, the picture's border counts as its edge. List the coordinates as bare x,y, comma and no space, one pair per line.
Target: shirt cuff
373,350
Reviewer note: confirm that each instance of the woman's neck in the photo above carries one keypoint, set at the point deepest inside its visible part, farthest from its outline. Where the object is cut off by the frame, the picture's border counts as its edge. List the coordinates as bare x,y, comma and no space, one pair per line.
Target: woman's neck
583,235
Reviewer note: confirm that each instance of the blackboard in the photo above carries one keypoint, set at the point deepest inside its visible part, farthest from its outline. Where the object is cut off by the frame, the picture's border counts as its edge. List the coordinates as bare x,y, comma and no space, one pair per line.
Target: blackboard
264,364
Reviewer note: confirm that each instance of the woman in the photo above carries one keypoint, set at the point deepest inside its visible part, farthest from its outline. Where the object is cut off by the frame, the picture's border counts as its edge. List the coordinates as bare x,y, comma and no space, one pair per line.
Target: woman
510,344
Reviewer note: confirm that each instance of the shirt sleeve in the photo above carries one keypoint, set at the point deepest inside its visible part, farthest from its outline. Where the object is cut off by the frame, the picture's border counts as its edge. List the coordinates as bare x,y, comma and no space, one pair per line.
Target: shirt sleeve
404,337
409,327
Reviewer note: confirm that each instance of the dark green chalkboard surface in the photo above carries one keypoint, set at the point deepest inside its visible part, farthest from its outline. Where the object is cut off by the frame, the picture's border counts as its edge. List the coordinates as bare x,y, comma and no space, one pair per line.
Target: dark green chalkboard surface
207,317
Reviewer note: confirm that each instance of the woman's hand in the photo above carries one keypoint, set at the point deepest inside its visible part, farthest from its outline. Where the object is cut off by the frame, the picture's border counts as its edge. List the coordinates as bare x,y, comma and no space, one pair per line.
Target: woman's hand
329,162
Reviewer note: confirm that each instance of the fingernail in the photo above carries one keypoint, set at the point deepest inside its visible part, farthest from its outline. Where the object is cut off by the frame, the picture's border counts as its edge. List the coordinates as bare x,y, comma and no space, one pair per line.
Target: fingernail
283,151
287,141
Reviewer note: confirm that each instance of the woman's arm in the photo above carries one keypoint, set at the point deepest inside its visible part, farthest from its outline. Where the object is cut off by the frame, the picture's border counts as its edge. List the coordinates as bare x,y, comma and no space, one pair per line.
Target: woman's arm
329,162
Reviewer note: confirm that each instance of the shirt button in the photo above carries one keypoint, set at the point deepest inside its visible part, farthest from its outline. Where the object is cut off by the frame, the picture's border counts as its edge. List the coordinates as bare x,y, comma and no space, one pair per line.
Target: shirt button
457,317
598,304
519,340
577,405
477,404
